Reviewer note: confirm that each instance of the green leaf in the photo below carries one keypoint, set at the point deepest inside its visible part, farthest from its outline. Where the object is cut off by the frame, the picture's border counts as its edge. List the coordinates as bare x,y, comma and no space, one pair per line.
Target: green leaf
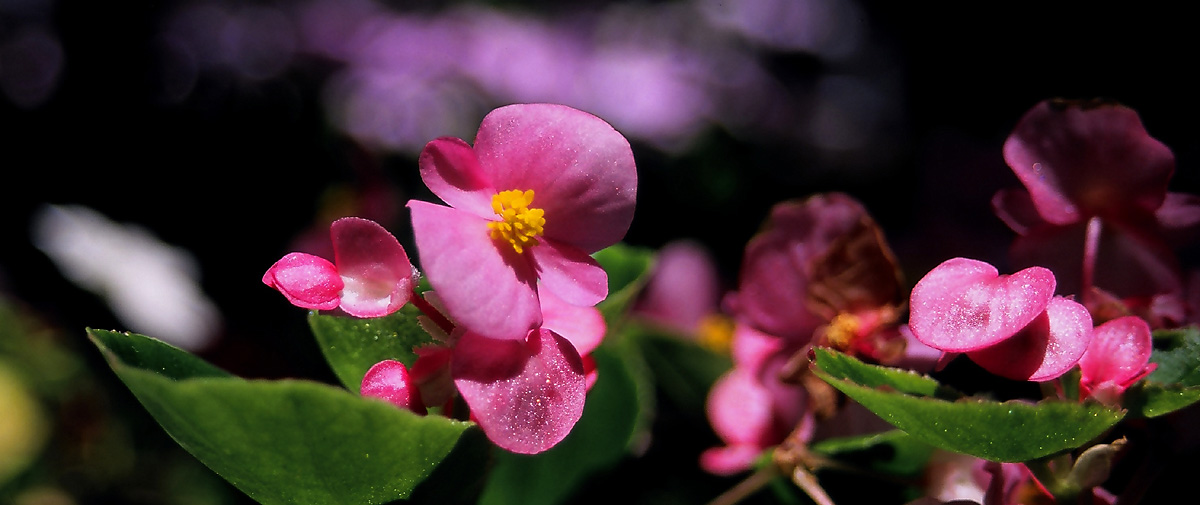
597,442
352,345
1010,431
285,442
894,452
683,369
1181,363
1149,399
627,267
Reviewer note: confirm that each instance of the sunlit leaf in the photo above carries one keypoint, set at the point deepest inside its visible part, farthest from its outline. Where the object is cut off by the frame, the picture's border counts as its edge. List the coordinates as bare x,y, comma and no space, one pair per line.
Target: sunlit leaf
1150,399
999,431
290,441
352,345
1179,364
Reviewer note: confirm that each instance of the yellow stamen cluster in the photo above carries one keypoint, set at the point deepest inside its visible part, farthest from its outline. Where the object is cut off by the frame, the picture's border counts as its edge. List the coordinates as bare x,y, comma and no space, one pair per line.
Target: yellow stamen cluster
842,331
520,224
715,333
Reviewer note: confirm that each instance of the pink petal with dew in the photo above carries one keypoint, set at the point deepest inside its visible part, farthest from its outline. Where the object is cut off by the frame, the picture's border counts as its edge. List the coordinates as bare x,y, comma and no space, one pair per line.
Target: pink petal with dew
390,381
525,395
1119,353
964,304
1086,159
581,170
373,266
570,273
741,412
584,327
451,170
307,281
730,459
1048,347
488,289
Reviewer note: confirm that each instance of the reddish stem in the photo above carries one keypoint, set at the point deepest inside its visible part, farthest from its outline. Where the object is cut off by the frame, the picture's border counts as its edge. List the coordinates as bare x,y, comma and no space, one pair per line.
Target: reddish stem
432,313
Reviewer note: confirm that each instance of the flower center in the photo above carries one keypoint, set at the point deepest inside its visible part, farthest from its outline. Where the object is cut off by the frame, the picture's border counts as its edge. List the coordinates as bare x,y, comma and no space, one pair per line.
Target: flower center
520,224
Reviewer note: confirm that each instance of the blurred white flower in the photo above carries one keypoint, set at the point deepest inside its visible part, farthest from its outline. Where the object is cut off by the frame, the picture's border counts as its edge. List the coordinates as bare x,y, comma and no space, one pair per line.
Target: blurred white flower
151,286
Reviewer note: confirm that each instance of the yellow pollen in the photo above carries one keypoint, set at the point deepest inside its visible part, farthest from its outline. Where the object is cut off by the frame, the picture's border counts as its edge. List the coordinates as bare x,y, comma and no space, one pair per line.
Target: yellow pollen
520,224
716,333
842,331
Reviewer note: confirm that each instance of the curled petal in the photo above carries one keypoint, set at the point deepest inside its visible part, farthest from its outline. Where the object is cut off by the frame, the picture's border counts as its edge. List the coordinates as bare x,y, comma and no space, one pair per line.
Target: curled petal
526,395
374,267
489,290
451,170
1048,347
584,327
1087,159
1016,209
570,273
581,170
1119,353
964,304
307,281
390,381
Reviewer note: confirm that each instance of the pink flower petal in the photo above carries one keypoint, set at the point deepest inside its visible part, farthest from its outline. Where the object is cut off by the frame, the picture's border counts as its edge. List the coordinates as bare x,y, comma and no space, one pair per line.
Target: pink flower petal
1080,160
773,294
525,395
730,459
307,281
683,289
1048,347
1119,352
570,273
584,327
752,348
391,381
374,267
740,410
450,169
487,289
1016,209
964,304
581,170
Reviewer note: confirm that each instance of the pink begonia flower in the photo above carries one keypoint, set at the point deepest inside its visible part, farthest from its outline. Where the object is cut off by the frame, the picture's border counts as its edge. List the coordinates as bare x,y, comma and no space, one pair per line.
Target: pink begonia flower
1011,325
370,276
525,394
1096,209
543,187
1118,356
390,381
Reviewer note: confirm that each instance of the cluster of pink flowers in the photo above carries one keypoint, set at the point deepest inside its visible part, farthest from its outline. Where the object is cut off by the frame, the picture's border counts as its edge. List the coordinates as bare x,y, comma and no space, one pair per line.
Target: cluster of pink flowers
514,286
819,274
1096,212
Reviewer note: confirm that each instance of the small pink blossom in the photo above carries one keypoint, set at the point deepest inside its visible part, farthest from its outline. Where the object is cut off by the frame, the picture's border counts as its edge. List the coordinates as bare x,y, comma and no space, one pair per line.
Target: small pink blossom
370,276
543,187
1118,356
1012,325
